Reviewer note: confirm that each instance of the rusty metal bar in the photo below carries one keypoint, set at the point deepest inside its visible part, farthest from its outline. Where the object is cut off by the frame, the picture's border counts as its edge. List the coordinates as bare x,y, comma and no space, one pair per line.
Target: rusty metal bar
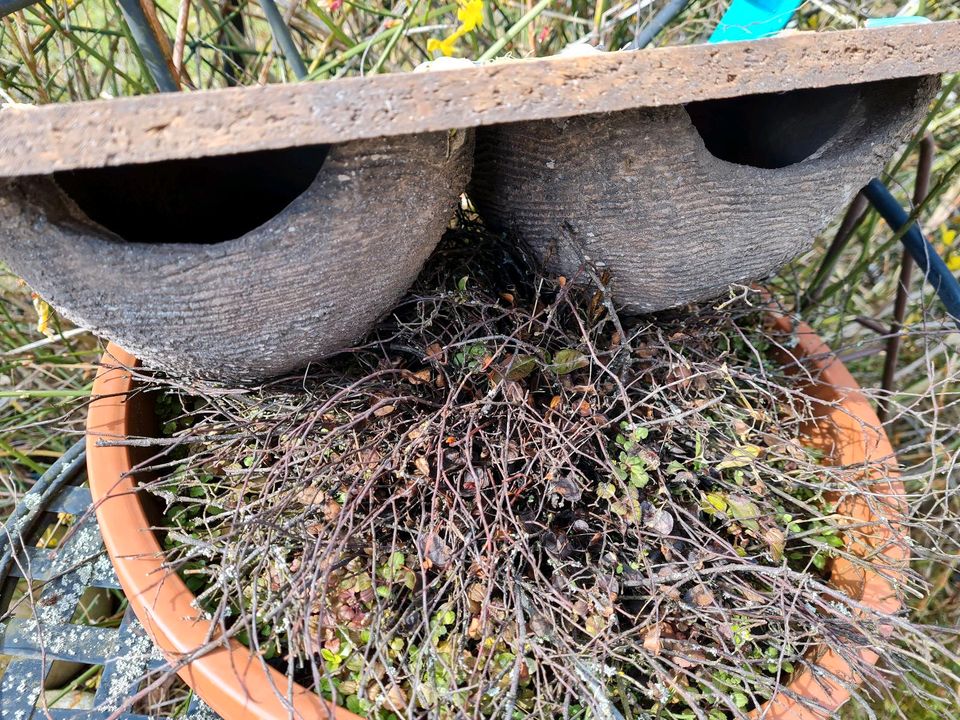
920,190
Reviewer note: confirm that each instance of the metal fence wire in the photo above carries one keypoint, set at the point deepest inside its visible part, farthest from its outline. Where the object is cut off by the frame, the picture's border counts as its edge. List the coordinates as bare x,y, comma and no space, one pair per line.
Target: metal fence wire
45,623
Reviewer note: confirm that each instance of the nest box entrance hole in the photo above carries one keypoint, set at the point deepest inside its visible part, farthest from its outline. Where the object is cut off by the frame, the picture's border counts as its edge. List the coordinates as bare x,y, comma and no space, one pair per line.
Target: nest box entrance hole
773,130
201,200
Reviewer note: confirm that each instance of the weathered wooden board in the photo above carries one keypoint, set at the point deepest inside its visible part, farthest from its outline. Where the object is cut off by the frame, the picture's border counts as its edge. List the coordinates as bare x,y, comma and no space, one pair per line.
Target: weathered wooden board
39,140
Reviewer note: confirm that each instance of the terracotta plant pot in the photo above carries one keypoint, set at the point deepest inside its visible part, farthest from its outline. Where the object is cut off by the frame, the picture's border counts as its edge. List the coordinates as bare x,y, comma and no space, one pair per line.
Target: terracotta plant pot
237,685
237,268
679,202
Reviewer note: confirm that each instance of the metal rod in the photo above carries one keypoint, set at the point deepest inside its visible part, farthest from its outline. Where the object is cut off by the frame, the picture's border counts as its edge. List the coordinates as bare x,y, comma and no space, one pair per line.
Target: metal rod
25,515
908,231
149,45
648,32
281,33
11,6
851,221
920,190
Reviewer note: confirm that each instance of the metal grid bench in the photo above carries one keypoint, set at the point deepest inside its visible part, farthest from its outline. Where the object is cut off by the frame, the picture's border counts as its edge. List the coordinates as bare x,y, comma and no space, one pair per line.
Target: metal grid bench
32,644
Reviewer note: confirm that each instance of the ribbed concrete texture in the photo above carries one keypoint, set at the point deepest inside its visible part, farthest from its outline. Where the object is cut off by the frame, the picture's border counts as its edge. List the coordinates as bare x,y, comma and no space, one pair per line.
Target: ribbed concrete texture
308,281
678,211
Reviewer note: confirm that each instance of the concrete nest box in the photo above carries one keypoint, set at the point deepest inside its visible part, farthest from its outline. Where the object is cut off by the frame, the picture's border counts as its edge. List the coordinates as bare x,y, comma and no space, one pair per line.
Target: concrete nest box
680,202
242,233
237,267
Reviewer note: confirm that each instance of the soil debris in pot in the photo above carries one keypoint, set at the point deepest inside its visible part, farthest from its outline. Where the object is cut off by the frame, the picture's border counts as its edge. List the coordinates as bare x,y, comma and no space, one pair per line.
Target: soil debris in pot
511,502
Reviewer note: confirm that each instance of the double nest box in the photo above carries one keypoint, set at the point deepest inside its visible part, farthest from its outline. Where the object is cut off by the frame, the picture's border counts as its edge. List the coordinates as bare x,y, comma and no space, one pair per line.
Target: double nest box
242,233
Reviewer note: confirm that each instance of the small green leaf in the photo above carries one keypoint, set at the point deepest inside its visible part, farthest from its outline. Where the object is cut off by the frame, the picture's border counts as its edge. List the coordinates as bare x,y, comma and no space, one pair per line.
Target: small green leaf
568,360
744,511
363,582
741,456
638,477
832,540
715,502
606,490
331,658
353,704
521,366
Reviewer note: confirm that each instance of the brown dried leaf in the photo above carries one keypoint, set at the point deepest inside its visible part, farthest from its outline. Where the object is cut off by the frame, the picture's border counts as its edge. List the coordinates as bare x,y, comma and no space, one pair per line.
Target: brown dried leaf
331,510
475,629
477,593
421,377
422,465
700,596
566,487
435,551
395,699
384,410
651,640
776,540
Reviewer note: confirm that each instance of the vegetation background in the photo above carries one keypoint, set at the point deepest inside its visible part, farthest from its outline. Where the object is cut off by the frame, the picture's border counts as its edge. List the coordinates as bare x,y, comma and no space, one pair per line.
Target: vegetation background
71,50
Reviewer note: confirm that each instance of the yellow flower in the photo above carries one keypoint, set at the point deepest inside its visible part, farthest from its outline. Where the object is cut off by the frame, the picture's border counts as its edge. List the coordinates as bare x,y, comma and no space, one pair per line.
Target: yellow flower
444,46
947,235
44,315
470,15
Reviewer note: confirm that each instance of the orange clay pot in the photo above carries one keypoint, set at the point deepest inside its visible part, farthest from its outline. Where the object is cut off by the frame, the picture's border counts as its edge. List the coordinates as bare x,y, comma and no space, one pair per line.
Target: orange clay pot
237,684
233,681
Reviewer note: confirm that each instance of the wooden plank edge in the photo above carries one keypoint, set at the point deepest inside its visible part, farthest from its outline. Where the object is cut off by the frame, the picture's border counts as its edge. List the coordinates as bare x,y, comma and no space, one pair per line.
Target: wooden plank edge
43,139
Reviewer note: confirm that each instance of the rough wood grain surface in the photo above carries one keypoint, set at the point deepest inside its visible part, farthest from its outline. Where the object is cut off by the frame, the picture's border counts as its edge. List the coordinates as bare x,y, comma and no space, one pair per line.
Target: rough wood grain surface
303,285
40,140
638,193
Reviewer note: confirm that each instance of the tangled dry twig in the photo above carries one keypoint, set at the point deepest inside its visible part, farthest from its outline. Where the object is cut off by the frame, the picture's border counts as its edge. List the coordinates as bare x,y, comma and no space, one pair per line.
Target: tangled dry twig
511,503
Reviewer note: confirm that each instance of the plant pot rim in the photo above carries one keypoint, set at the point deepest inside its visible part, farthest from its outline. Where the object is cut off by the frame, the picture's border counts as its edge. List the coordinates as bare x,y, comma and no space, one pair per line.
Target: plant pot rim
237,684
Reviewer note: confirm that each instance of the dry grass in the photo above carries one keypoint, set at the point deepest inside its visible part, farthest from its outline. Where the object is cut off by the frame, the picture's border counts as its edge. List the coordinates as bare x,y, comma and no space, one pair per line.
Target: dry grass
44,384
